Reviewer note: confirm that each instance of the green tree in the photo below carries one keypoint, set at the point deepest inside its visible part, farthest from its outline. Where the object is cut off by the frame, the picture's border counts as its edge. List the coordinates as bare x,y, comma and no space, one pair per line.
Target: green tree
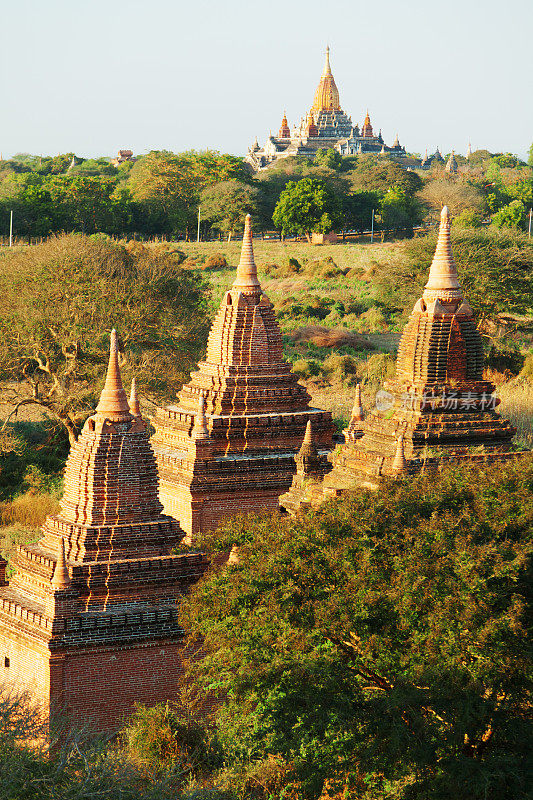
512,215
400,211
379,644
163,183
169,184
61,300
226,204
305,206
330,158
495,270
379,174
357,209
459,196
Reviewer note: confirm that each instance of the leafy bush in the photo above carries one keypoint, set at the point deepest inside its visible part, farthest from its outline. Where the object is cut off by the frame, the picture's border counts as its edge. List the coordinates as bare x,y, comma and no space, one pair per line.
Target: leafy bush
166,738
216,261
381,641
34,460
495,270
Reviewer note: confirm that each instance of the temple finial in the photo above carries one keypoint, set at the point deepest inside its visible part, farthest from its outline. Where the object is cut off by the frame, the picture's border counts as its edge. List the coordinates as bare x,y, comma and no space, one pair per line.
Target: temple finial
200,429
133,402
61,577
327,66
308,436
399,464
246,279
234,559
113,401
443,282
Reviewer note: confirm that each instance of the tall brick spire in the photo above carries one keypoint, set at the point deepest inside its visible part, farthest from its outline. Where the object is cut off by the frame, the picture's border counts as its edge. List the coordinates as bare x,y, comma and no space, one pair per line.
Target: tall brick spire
257,414
113,401
399,464
443,283
246,280
355,428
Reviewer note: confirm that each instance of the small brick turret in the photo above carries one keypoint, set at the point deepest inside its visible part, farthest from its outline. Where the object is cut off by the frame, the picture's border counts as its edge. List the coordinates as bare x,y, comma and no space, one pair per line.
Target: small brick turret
88,623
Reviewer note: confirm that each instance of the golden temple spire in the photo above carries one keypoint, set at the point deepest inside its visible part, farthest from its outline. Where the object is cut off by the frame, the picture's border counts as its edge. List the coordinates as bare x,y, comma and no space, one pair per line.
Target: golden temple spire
61,577
327,67
443,282
113,401
246,280
327,94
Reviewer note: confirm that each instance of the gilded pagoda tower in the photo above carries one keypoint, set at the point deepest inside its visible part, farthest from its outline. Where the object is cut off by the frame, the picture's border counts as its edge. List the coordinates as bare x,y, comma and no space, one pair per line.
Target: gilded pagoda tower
438,408
324,126
229,445
88,622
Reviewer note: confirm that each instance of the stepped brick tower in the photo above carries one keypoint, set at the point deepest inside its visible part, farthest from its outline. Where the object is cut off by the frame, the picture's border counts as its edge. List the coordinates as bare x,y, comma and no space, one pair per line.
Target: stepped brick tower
451,164
229,445
438,405
88,623
437,409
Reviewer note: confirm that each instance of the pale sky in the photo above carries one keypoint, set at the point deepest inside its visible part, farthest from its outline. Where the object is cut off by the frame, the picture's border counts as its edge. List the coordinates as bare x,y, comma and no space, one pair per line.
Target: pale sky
99,75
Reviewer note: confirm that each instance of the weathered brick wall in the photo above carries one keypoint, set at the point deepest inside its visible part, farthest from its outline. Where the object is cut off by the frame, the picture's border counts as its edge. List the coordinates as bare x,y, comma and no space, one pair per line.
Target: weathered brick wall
101,686
28,665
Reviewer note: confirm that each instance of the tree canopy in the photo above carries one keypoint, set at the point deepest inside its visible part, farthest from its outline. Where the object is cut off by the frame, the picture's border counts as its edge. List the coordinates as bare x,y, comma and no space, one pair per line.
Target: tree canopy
378,646
305,206
495,270
61,300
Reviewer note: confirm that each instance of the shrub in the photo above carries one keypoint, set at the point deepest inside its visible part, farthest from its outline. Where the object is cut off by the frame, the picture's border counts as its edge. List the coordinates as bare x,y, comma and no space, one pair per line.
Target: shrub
377,369
323,268
468,219
165,737
507,361
216,261
340,368
28,509
330,337
13,535
306,368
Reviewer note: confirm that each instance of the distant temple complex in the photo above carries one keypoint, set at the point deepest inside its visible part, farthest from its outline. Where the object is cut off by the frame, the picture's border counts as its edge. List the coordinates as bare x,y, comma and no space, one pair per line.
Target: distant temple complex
437,409
229,445
88,622
325,126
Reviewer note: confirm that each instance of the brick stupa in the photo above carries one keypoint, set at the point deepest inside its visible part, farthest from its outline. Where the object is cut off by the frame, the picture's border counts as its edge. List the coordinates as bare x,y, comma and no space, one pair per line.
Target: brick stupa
88,623
438,408
230,443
